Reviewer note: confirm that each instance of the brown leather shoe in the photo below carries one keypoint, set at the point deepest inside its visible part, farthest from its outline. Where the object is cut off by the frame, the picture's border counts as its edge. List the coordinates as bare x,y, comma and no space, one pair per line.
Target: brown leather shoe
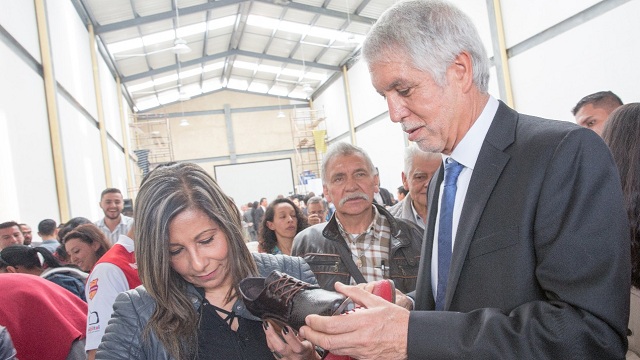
286,300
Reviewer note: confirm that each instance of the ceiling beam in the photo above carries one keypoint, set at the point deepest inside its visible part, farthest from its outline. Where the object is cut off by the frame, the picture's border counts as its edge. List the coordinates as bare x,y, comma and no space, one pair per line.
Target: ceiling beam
222,55
101,29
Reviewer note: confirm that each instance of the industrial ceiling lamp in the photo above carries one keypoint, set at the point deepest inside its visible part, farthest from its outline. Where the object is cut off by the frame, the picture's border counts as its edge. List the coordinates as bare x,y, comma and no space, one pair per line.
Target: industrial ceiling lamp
179,45
307,88
184,122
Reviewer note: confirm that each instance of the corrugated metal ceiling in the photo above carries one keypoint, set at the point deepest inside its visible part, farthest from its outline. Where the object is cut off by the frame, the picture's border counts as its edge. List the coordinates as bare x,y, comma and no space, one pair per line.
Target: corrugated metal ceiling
279,47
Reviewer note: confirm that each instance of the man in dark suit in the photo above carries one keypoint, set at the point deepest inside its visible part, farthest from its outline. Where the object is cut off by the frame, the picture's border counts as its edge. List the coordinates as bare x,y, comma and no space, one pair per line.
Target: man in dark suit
258,214
538,245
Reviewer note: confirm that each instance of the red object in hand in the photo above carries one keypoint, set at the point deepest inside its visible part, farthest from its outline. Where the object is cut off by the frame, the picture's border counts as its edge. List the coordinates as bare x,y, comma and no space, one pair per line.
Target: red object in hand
386,289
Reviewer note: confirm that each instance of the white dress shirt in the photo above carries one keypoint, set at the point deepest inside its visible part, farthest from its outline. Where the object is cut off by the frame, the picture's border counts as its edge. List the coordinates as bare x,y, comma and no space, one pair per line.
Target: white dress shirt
466,153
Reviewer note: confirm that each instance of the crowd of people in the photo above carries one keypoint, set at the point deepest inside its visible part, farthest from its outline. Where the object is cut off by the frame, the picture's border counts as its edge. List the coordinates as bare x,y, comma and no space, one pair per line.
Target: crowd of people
513,236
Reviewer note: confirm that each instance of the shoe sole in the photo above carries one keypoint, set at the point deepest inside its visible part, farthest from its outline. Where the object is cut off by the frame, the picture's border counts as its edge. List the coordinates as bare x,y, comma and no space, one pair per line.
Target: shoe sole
346,306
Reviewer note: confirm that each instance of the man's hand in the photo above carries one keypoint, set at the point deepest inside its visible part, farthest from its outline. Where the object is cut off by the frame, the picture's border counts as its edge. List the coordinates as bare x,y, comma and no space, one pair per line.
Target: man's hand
313,219
376,331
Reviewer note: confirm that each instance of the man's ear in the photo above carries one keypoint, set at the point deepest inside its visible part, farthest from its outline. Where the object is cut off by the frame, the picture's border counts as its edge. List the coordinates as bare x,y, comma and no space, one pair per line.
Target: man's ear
405,181
325,191
376,179
12,269
462,71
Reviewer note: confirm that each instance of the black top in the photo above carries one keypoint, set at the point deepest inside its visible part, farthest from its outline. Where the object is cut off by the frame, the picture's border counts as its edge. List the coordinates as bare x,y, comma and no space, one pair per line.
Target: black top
216,339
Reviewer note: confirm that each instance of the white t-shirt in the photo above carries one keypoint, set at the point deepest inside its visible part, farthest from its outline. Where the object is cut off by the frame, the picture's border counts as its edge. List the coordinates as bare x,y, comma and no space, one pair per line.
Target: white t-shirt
104,284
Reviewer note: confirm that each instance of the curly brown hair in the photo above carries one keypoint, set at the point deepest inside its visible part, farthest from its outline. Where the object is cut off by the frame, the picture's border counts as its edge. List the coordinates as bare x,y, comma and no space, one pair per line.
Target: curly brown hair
268,239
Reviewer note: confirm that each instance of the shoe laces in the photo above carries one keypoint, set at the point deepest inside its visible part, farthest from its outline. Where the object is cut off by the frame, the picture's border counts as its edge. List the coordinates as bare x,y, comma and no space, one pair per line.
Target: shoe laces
287,287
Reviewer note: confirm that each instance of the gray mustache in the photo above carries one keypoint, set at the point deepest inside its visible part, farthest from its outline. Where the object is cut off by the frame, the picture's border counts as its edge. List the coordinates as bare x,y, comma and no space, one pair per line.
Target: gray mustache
353,196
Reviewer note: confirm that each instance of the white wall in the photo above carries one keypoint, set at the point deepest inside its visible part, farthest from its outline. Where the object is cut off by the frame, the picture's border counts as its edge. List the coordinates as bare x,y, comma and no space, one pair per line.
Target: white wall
71,57
19,19
524,19
28,183
367,103
601,54
334,103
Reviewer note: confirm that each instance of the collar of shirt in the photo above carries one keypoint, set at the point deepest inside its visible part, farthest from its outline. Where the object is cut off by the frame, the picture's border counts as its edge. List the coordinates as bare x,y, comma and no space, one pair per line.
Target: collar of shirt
350,237
467,151
127,242
416,216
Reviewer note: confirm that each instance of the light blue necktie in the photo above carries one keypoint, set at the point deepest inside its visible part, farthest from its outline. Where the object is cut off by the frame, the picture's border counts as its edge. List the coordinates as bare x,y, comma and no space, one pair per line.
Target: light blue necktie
451,171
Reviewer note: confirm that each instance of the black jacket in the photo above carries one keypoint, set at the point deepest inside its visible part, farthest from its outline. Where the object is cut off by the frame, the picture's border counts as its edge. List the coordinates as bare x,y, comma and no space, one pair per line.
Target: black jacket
123,338
318,246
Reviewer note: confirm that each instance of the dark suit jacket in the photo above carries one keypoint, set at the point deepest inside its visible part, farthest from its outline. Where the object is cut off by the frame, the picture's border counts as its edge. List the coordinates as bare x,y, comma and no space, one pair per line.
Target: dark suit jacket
258,214
540,267
387,199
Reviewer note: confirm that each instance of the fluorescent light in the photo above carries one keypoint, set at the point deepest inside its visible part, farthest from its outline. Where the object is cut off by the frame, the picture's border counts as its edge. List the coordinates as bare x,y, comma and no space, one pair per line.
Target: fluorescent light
147,103
184,122
222,22
259,87
214,66
238,84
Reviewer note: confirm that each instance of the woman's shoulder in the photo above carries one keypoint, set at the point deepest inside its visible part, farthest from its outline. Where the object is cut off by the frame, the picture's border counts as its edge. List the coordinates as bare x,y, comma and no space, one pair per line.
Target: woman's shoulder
137,298
291,265
65,270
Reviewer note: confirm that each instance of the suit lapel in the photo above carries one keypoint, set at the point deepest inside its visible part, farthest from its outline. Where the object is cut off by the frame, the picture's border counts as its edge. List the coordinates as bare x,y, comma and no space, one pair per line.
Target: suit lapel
491,161
424,291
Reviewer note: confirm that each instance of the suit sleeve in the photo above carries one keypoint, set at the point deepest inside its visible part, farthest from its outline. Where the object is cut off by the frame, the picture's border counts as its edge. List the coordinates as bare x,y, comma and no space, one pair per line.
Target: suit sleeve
582,265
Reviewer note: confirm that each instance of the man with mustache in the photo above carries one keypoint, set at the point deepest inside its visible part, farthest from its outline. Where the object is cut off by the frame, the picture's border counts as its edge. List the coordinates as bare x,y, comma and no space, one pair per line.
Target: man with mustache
362,242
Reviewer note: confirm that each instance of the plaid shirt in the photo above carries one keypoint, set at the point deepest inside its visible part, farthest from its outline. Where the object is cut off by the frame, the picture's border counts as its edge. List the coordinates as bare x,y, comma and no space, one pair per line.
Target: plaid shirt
371,248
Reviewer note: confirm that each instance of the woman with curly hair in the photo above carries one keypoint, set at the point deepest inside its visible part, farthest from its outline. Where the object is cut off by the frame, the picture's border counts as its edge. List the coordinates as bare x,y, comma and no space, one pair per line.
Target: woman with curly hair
282,221
622,134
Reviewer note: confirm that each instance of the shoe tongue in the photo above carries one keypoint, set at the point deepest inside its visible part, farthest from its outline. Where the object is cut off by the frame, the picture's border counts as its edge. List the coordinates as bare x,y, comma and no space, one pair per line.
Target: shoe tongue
275,275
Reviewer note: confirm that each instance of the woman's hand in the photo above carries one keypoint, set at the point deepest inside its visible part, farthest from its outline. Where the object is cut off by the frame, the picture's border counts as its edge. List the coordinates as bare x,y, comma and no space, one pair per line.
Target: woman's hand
287,344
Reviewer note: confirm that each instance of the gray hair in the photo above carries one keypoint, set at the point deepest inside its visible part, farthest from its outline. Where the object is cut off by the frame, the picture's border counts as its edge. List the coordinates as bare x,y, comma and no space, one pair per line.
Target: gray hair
411,152
433,33
317,200
344,149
